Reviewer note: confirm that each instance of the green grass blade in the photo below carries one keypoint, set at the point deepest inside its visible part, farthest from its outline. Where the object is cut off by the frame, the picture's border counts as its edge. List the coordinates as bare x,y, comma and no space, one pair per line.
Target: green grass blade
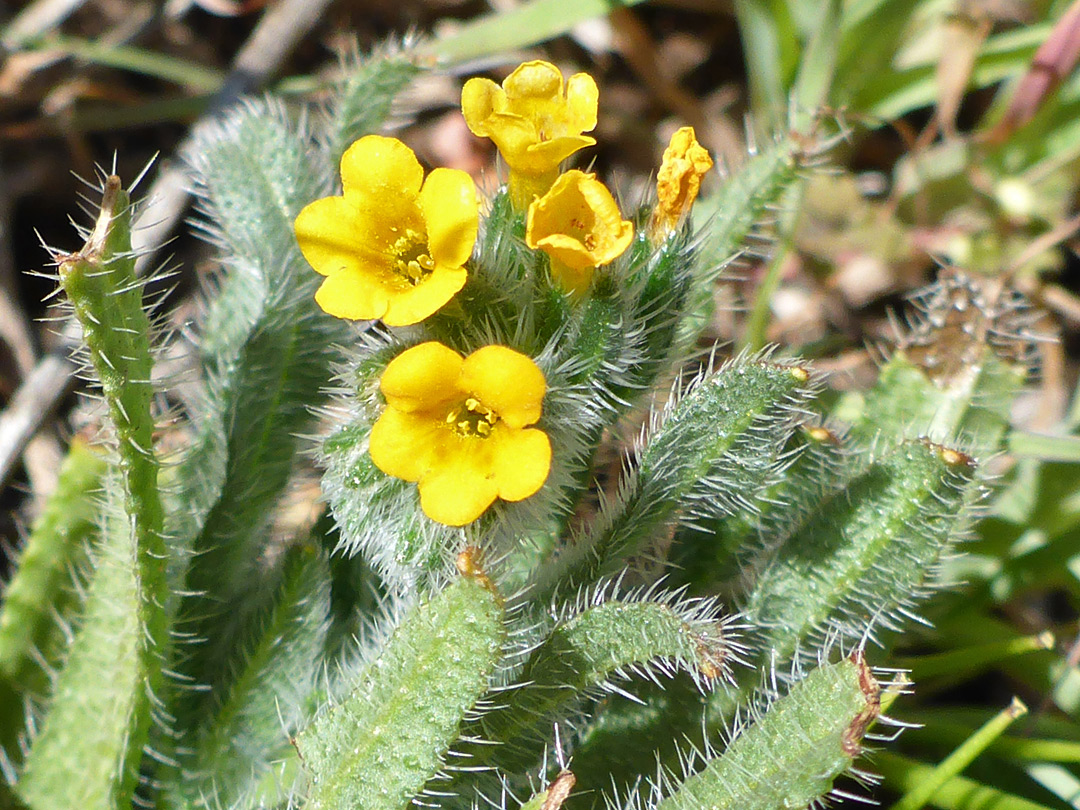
958,793
918,795
525,25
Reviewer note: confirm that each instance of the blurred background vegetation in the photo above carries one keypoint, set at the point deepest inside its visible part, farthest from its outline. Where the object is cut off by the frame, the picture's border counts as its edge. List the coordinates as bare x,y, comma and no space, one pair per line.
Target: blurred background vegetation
946,134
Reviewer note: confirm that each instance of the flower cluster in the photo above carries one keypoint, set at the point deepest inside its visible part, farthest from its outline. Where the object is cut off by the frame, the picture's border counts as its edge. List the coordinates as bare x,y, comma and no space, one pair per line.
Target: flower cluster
396,246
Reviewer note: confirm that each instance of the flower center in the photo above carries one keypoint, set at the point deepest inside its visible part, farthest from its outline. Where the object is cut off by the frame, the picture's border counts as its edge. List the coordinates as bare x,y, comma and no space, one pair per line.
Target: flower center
413,262
586,237
472,418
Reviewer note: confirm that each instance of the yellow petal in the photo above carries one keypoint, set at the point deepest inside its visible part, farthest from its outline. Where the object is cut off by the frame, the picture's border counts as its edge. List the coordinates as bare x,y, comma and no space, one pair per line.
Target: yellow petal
522,462
567,250
333,236
461,486
534,80
402,444
413,304
573,279
507,381
578,222
452,213
582,99
380,166
541,157
480,98
352,294
422,379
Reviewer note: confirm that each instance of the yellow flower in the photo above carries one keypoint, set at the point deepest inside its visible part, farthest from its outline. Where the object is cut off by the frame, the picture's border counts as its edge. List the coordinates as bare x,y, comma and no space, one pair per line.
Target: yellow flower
393,246
579,226
460,428
678,181
535,124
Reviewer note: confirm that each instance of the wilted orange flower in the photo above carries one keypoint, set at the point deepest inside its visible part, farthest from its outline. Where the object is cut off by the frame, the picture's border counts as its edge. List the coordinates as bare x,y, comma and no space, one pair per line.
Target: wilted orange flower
578,224
678,181
393,245
459,427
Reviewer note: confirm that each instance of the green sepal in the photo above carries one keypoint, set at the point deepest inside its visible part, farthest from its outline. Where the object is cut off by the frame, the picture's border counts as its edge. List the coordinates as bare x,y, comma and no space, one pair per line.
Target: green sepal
792,753
380,745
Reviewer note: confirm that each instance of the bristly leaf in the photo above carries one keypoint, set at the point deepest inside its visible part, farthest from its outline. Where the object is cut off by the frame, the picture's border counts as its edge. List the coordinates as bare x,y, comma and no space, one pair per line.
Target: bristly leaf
250,729
714,553
104,702
715,442
726,219
866,553
378,747
266,357
101,707
972,407
794,750
581,656
41,594
364,97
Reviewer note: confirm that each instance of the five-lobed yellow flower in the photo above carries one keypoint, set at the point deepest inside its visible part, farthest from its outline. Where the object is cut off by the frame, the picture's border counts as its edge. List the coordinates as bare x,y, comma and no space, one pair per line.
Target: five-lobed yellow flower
393,245
578,224
685,162
459,427
533,122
